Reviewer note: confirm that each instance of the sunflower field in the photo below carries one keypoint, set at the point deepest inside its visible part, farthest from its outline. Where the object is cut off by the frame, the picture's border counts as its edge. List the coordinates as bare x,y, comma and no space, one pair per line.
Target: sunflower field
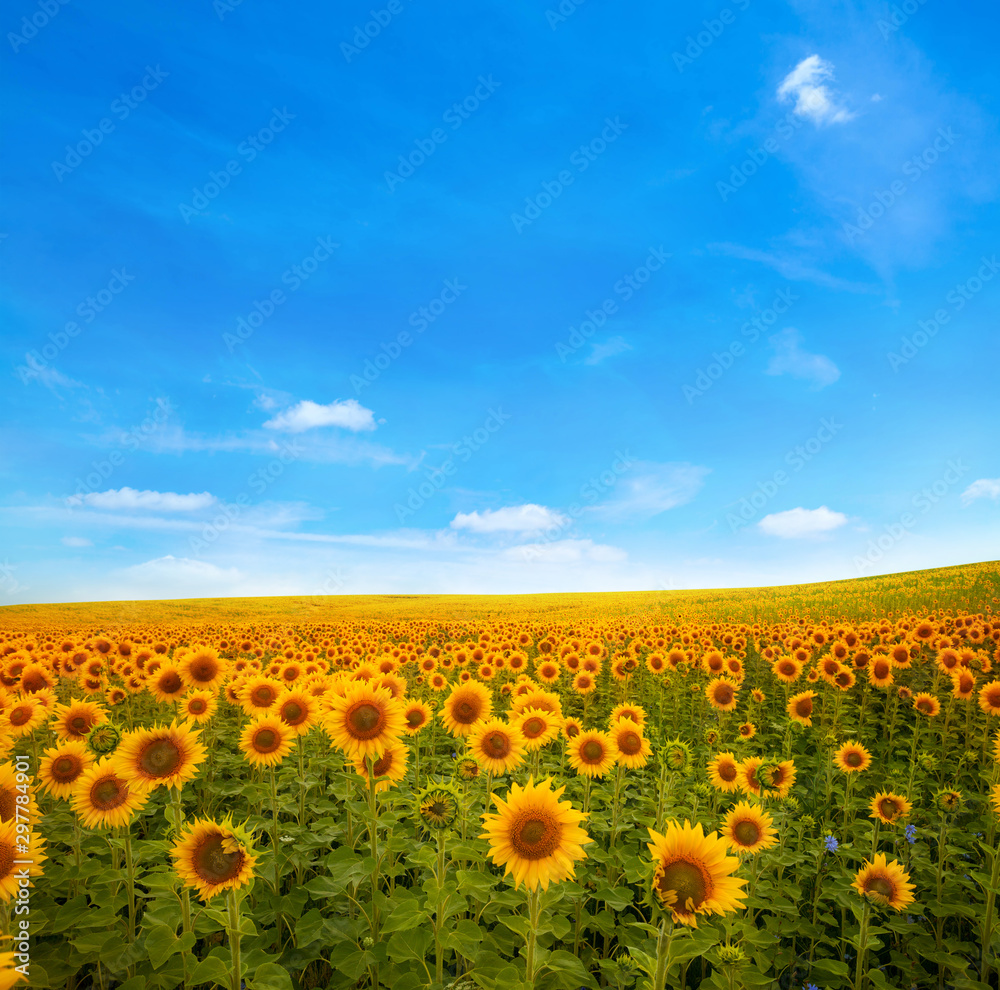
792,790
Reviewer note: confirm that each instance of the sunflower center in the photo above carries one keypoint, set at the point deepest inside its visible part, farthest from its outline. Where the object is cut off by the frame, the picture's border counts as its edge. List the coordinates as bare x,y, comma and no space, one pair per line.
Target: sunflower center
382,766
263,696
889,808
266,741
535,836
108,793
293,712
466,711
79,724
197,706
170,682
723,694
438,809
533,727
993,697
727,771
213,864
65,769
7,806
629,743
881,669
804,707
20,715
203,670
879,885
498,744
160,758
6,859
414,718
853,759
364,720
747,833
687,881
592,751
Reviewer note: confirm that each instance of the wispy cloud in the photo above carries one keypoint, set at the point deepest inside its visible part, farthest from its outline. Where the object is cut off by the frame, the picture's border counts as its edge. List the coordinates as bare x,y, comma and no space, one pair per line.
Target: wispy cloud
609,348
128,499
983,488
791,267
649,489
566,552
76,541
814,100
798,523
790,359
528,518
308,415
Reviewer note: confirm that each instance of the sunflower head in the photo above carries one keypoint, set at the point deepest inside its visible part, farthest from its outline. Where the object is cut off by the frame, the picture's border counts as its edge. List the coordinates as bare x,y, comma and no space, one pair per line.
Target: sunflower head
467,769
885,883
213,857
948,800
437,806
676,756
104,738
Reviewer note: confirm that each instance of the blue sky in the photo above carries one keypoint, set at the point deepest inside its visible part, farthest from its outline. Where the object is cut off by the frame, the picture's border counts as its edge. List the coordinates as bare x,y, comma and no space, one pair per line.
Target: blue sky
509,298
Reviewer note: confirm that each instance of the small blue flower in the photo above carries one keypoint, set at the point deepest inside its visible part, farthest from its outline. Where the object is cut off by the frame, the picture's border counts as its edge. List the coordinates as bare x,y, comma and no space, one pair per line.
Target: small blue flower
811,986
831,844
911,834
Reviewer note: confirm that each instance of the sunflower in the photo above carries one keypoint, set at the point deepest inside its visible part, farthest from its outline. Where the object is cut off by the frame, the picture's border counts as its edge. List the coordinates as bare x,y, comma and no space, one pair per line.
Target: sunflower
102,798
416,715
721,693
693,873
884,882
9,973
927,704
879,670
963,683
167,684
22,718
800,707
468,768
571,728
781,776
787,669
496,746
536,837
748,780
632,748
584,683
104,739
202,668
724,772
467,704
888,808
388,769
437,806
748,829
21,854
548,671
365,720
199,706
591,754
298,709
163,756
266,741
989,698
62,765
212,857
747,730
852,757
948,800
635,713
537,727
259,694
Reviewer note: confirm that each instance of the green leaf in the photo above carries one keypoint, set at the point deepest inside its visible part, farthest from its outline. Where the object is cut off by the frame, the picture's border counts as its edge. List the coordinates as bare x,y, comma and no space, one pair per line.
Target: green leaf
212,969
270,976
572,971
162,943
833,966
406,915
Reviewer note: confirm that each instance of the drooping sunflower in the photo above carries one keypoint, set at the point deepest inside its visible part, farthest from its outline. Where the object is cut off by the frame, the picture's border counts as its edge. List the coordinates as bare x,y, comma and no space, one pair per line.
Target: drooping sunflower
722,694
167,684
467,704
852,757
632,748
364,720
390,766
724,772
888,808
927,704
199,706
536,837
266,741
416,715
102,798
163,756
203,669
212,857
537,727
298,709
496,746
748,829
800,707
884,882
16,850
591,754
62,765
693,873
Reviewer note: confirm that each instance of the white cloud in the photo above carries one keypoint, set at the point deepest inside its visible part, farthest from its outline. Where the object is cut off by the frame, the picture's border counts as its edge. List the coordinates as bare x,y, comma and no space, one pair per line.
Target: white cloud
611,347
645,489
813,99
126,499
528,518
983,488
76,541
790,359
565,552
797,523
307,415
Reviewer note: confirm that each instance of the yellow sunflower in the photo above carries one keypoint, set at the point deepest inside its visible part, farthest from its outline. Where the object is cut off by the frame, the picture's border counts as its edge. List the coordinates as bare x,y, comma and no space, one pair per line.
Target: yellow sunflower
15,849
391,766
989,698
852,757
748,829
800,707
693,873
199,706
213,857
884,882
927,704
632,748
259,694
102,798
163,756
364,721
167,684
888,808
266,741
722,694
22,718
61,766
724,772
496,746
298,709
537,727
591,754
536,837
203,669
466,705
416,715
635,713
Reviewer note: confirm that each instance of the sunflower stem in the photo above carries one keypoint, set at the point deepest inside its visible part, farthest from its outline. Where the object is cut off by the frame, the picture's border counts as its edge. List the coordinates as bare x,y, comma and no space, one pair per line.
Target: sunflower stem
988,918
439,912
175,798
236,970
373,835
529,953
300,746
860,970
130,880
663,941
